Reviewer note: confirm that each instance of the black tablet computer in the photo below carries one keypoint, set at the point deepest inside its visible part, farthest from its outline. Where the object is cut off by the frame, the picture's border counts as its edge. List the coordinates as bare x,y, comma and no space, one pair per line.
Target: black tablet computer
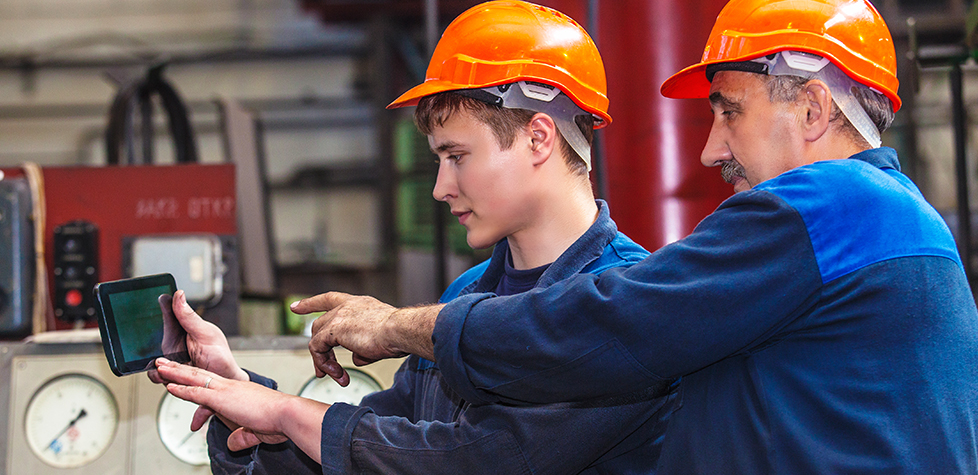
136,320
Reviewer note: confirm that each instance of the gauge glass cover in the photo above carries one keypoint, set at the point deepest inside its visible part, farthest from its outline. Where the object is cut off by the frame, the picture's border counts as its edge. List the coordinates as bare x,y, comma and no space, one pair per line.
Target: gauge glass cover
173,423
327,391
71,421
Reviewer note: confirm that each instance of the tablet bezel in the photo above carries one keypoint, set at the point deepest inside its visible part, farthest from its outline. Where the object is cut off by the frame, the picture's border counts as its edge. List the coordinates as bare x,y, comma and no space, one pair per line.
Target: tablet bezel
108,327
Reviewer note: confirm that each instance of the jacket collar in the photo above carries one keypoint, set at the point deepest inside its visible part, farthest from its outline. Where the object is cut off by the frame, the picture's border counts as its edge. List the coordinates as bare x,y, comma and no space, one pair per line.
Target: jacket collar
582,252
882,157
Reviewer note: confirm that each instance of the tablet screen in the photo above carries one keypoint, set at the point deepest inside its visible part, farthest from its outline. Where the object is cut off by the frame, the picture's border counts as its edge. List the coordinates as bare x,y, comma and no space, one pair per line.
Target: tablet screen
141,333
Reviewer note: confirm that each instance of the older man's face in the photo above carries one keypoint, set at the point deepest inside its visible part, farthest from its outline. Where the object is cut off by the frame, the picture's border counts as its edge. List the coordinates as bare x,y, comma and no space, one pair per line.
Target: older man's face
752,139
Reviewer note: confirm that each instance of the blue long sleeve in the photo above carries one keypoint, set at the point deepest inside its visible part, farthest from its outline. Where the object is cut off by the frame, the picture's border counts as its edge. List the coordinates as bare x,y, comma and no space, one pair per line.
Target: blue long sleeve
746,271
420,426
821,323
492,439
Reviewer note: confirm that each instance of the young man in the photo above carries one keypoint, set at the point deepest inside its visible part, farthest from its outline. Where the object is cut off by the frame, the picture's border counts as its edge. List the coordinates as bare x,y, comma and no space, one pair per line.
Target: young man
514,154
820,318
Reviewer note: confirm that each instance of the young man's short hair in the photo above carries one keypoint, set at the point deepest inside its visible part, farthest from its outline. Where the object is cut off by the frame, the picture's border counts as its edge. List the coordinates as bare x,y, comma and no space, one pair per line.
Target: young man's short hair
434,110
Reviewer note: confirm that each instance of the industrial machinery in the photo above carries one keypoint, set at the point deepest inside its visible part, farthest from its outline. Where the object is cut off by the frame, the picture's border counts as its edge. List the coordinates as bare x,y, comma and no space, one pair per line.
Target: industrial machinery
114,222
80,418
64,229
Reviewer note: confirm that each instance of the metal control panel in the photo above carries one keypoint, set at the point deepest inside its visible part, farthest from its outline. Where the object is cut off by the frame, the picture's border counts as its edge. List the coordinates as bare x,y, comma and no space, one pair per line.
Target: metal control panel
65,413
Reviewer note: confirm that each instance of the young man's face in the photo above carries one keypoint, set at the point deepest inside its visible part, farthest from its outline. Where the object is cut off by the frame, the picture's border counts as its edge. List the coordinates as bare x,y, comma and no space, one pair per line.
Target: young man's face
752,138
487,188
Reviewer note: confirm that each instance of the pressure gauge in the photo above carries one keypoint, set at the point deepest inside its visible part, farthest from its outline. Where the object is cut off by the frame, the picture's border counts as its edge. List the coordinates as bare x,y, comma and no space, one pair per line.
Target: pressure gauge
173,422
71,420
326,390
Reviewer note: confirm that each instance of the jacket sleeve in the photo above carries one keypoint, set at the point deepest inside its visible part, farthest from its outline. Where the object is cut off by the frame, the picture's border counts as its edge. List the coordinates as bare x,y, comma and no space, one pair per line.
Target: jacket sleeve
746,271
398,400
492,439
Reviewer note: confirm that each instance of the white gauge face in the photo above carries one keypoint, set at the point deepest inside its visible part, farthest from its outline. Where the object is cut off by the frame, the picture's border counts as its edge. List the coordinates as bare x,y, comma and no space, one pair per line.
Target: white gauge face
326,390
71,421
173,422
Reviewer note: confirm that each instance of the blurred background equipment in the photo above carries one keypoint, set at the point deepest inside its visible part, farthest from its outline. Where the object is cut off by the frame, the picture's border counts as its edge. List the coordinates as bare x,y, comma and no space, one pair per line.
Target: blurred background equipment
95,214
132,121
75,271
81,418
243,148
196,262
16,259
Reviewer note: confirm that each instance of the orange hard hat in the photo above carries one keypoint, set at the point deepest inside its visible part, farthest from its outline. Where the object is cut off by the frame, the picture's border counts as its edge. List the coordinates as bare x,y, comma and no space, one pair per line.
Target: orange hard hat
850,33
506,41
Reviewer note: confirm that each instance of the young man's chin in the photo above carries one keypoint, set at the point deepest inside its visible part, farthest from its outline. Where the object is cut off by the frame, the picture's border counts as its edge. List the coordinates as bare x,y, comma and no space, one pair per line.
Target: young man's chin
476,241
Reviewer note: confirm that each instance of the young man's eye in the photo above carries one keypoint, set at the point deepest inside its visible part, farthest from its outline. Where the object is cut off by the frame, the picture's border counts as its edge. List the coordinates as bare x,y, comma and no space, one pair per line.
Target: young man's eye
453,158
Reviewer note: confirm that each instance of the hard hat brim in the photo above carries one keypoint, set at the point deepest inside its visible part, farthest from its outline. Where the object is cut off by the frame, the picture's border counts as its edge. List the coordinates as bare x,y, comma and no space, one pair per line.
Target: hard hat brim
690,83
413,95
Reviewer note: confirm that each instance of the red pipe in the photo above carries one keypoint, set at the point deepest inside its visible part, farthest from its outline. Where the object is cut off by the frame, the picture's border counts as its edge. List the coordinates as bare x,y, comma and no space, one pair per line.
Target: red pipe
657,188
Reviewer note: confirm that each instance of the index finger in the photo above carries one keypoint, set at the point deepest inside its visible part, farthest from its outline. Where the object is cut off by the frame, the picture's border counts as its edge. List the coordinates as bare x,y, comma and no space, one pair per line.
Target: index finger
173,372
319,303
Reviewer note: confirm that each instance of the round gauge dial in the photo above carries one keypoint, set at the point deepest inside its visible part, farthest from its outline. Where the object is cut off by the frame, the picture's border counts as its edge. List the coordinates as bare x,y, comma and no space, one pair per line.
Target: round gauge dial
326,390
173,422
71,420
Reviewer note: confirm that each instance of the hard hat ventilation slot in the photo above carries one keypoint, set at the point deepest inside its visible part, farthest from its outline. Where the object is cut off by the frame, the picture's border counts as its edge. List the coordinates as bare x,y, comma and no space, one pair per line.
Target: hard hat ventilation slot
544,98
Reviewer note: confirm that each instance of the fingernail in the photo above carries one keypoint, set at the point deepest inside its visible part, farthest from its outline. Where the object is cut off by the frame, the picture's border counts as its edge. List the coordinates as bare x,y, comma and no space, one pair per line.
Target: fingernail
335,369
294,304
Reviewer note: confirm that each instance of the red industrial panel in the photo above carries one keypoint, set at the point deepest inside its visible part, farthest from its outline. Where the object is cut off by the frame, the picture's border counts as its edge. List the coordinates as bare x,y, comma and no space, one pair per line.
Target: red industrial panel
134,201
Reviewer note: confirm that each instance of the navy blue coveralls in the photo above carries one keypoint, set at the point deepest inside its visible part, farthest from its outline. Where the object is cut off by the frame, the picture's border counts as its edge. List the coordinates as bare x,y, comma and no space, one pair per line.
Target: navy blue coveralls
420,426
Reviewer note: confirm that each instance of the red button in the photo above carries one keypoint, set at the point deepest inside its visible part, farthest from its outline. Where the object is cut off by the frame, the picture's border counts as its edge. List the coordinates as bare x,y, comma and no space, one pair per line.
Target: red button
73,297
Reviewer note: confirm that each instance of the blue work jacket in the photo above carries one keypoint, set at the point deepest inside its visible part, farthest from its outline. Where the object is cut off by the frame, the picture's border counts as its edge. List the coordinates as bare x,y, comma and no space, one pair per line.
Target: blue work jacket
419,426
821,323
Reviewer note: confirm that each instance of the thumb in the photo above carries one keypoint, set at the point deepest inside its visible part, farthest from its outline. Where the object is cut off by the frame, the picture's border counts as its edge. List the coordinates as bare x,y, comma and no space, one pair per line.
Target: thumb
241,439
200,417
187,317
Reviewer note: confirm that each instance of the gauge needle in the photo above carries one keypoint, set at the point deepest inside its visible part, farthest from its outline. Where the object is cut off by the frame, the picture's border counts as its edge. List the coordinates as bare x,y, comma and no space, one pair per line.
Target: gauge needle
185,439
70,424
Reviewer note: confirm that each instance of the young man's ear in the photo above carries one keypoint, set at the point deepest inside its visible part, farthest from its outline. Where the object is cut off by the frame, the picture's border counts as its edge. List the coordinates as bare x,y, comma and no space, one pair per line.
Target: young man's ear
543,137
817,106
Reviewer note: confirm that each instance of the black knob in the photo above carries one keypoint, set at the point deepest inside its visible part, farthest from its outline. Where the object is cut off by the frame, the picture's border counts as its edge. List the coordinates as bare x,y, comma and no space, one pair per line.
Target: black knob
72,245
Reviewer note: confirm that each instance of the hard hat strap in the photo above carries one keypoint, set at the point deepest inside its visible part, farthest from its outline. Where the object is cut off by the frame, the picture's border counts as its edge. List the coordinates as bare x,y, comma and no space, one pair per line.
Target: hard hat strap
543,98
812,66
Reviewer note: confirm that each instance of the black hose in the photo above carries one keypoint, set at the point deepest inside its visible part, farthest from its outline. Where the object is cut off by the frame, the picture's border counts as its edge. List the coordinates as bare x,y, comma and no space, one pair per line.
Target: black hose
138,96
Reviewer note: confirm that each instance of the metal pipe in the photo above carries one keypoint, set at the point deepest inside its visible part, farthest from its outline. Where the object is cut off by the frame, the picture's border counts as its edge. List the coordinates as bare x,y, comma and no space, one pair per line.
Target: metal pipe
431,25
658,190
441,236
352,46
597,146
959,121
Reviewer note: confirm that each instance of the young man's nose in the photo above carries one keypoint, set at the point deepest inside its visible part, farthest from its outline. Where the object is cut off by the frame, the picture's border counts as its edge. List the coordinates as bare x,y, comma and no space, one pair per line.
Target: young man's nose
444,184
